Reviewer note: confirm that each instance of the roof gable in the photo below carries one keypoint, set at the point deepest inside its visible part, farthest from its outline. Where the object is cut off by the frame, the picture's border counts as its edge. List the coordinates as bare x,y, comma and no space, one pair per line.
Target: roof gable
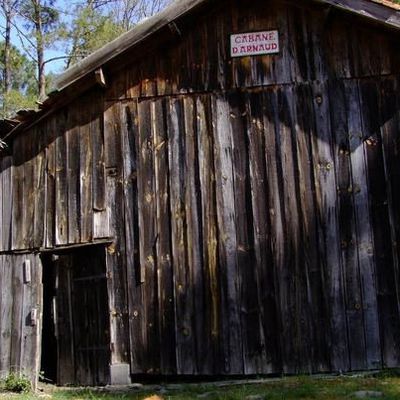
380,11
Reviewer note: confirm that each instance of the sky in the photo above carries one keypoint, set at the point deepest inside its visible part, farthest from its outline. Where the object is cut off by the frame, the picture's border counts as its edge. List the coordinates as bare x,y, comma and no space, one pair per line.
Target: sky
54,66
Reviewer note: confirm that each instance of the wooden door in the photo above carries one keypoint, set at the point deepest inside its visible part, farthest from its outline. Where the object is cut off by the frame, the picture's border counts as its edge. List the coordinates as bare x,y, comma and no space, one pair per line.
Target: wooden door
82,318
20,311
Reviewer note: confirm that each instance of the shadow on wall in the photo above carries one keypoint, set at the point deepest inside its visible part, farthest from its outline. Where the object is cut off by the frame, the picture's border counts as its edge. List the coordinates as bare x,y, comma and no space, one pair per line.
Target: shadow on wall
280,211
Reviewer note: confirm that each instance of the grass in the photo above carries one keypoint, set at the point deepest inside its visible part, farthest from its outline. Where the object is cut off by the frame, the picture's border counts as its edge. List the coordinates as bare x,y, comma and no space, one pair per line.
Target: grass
305,388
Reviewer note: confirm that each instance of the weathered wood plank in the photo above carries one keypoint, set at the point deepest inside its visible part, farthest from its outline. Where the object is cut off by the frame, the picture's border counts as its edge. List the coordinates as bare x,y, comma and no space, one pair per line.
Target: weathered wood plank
165,289
6,312
32,303
252,338
61,186
17,195
17,315
263,263
295,329
388,252
276,231
328,226
347,224
116,262
86,172
39,187
136,299
73,178
227,245
364,239
50,182
193,228
147,234
97,134
28,199
210,358
100,218
183,275
312,280
7,202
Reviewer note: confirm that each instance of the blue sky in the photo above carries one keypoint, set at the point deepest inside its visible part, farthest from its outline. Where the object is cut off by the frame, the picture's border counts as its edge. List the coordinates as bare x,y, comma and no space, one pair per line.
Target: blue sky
54,66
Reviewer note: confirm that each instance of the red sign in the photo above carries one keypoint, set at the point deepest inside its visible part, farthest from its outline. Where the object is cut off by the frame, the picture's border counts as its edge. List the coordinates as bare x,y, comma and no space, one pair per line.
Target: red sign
254,43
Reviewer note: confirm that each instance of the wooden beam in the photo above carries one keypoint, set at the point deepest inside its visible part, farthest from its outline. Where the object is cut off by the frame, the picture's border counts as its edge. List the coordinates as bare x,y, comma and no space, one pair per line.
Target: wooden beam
99,76
67,248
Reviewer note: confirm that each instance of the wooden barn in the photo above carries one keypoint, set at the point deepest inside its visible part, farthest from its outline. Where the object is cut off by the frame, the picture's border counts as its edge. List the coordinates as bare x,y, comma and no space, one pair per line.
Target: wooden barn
216,192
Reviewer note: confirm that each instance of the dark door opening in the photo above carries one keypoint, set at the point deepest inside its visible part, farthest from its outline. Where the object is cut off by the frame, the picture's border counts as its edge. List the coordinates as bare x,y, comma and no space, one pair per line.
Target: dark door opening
49,342
75,338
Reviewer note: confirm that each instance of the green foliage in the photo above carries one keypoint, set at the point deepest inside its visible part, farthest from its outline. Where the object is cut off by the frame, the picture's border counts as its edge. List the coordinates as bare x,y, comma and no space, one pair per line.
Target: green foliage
48,14
16,383
23,90
90,30
22,70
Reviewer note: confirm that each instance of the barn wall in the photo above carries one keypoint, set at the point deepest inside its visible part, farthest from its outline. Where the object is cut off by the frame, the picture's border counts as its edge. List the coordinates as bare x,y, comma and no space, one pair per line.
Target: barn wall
317,43
266,224
251,202
58,181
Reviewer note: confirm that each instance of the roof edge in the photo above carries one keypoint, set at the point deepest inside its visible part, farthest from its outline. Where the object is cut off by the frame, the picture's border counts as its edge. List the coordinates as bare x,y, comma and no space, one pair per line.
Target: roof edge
376,10
134,36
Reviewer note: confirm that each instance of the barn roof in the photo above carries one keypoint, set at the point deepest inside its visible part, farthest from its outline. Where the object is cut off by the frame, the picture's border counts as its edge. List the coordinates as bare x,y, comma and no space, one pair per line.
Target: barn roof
70,82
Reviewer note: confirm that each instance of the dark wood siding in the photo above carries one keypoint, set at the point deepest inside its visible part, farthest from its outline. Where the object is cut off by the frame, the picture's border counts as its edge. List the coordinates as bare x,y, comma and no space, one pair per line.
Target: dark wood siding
251,202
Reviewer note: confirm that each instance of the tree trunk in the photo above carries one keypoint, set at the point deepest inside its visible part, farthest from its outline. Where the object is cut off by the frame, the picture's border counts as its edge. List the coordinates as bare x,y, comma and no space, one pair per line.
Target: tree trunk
7,46
39,48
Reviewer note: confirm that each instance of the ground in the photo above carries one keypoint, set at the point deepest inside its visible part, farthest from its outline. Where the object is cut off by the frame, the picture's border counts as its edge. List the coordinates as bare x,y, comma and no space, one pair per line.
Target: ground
384,385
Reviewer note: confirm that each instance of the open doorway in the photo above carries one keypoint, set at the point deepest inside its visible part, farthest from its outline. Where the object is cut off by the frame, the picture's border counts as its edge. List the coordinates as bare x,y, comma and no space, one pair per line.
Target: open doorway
75,337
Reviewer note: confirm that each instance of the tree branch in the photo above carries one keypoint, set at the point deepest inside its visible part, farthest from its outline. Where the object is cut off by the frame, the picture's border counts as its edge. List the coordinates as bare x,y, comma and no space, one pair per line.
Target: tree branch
64,57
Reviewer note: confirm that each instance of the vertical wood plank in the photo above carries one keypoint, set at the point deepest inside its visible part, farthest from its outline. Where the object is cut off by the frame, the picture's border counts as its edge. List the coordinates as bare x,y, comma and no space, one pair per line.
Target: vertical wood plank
183,275
328,226
7,202
315,302
262,231
254,356
86,173
291,289
227,246
17,313
73,178
163,245
61,187
210,358
100,227
115,253
6,313
50,182
387,278
137,325
28,199
148,235
39,186
17,195
347,224
32,304
193,229
364,238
